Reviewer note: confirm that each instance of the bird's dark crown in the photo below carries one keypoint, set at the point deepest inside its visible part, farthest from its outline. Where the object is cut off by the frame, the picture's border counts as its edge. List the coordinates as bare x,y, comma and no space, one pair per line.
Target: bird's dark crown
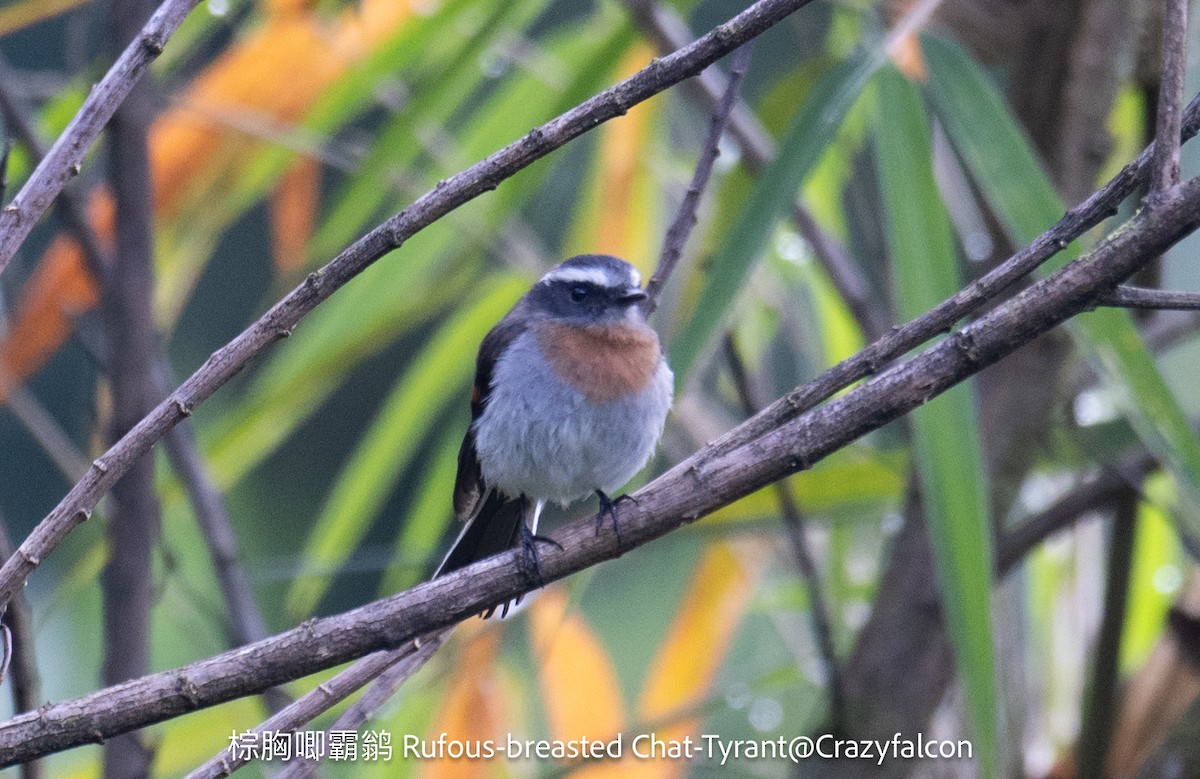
591,289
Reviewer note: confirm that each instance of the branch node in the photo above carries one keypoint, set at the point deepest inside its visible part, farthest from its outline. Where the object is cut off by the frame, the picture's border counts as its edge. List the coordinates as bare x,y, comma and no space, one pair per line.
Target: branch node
154,43
28,557
184,407
187,688
76,168
100,465
964,342
325,688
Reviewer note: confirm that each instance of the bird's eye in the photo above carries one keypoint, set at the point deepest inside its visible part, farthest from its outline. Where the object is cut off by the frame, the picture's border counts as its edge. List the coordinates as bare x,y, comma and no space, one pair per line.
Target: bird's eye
578,294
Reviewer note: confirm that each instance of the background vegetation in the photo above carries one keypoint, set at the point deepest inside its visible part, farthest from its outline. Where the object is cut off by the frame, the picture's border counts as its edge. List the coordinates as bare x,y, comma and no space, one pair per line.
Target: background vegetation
926,151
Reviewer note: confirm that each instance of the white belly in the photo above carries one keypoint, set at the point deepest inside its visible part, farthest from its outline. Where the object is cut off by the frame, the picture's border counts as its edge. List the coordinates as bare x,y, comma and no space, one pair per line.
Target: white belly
538,436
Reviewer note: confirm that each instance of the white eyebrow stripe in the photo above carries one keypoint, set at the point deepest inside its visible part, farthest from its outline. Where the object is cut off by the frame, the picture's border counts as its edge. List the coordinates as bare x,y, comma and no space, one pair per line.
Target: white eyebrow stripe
635,277
583,274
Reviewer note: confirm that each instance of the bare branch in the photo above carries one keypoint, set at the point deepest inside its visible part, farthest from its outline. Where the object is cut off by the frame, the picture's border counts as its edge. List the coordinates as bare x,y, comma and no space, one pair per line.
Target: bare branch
246,621
408,658
667,30
1126,296
23,682
1100,711
1093,495
942,317
127,584
18,119
685,218
794,524
278,322
1170,100
374,698
699,485
65,158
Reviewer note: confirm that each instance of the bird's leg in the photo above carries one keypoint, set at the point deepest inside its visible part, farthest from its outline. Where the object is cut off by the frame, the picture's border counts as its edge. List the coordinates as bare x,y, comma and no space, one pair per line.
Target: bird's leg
608,508
529,541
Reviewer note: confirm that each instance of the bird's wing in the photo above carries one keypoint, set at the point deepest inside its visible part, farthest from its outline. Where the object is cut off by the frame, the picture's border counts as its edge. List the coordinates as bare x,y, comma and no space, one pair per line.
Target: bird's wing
469,486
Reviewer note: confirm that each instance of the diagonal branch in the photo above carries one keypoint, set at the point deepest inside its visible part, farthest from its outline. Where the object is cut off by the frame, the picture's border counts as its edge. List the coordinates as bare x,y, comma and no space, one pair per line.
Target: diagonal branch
384,670
704,482
449,194
246,620
402,662
668,31
65,158
941,318
390,671
685,218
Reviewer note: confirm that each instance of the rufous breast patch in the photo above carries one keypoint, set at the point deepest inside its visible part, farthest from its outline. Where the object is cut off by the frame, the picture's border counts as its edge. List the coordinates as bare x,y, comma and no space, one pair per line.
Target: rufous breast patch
604,363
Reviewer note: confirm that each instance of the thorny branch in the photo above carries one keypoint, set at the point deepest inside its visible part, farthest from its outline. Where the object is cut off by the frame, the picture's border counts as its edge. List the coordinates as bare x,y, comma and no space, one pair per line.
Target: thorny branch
709,479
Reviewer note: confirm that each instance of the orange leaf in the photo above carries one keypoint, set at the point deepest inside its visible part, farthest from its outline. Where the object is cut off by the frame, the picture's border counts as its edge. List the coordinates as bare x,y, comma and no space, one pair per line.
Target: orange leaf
293,210
473,708
579,683
61,288
908,59
696,643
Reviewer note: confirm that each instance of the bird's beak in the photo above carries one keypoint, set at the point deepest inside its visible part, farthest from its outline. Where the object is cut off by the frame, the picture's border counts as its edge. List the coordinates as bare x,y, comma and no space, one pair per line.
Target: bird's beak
633,295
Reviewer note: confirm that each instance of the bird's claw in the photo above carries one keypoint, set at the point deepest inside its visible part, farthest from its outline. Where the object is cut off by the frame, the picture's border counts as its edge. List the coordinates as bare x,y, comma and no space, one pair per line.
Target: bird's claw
608,508
530,565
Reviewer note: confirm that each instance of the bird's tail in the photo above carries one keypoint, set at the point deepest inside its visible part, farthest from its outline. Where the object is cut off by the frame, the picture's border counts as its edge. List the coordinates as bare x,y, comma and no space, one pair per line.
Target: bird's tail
494,529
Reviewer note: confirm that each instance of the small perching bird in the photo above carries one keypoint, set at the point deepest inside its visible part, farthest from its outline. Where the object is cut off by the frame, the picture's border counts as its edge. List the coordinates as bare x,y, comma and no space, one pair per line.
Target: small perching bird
571,394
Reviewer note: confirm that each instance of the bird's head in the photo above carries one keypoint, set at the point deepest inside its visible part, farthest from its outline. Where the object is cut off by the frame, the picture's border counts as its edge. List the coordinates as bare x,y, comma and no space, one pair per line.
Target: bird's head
590,290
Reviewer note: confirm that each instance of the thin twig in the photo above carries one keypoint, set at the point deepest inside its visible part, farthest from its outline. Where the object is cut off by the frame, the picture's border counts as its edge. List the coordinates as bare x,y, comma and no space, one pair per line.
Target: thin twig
247,624
794,523
941,318
451,193
127,581
1100,712
1127,296
23,682
916,17
692,489
404,662
668,31
1170,97
685,217
65,158
43,428
374,698
18,118
1093,495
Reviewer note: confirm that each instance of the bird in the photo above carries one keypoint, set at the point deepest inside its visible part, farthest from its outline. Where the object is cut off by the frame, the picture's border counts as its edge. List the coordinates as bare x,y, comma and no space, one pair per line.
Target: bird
570,398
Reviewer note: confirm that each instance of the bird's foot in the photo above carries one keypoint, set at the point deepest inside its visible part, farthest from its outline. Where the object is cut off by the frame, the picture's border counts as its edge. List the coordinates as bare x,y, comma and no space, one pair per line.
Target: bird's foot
530,564
608,508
